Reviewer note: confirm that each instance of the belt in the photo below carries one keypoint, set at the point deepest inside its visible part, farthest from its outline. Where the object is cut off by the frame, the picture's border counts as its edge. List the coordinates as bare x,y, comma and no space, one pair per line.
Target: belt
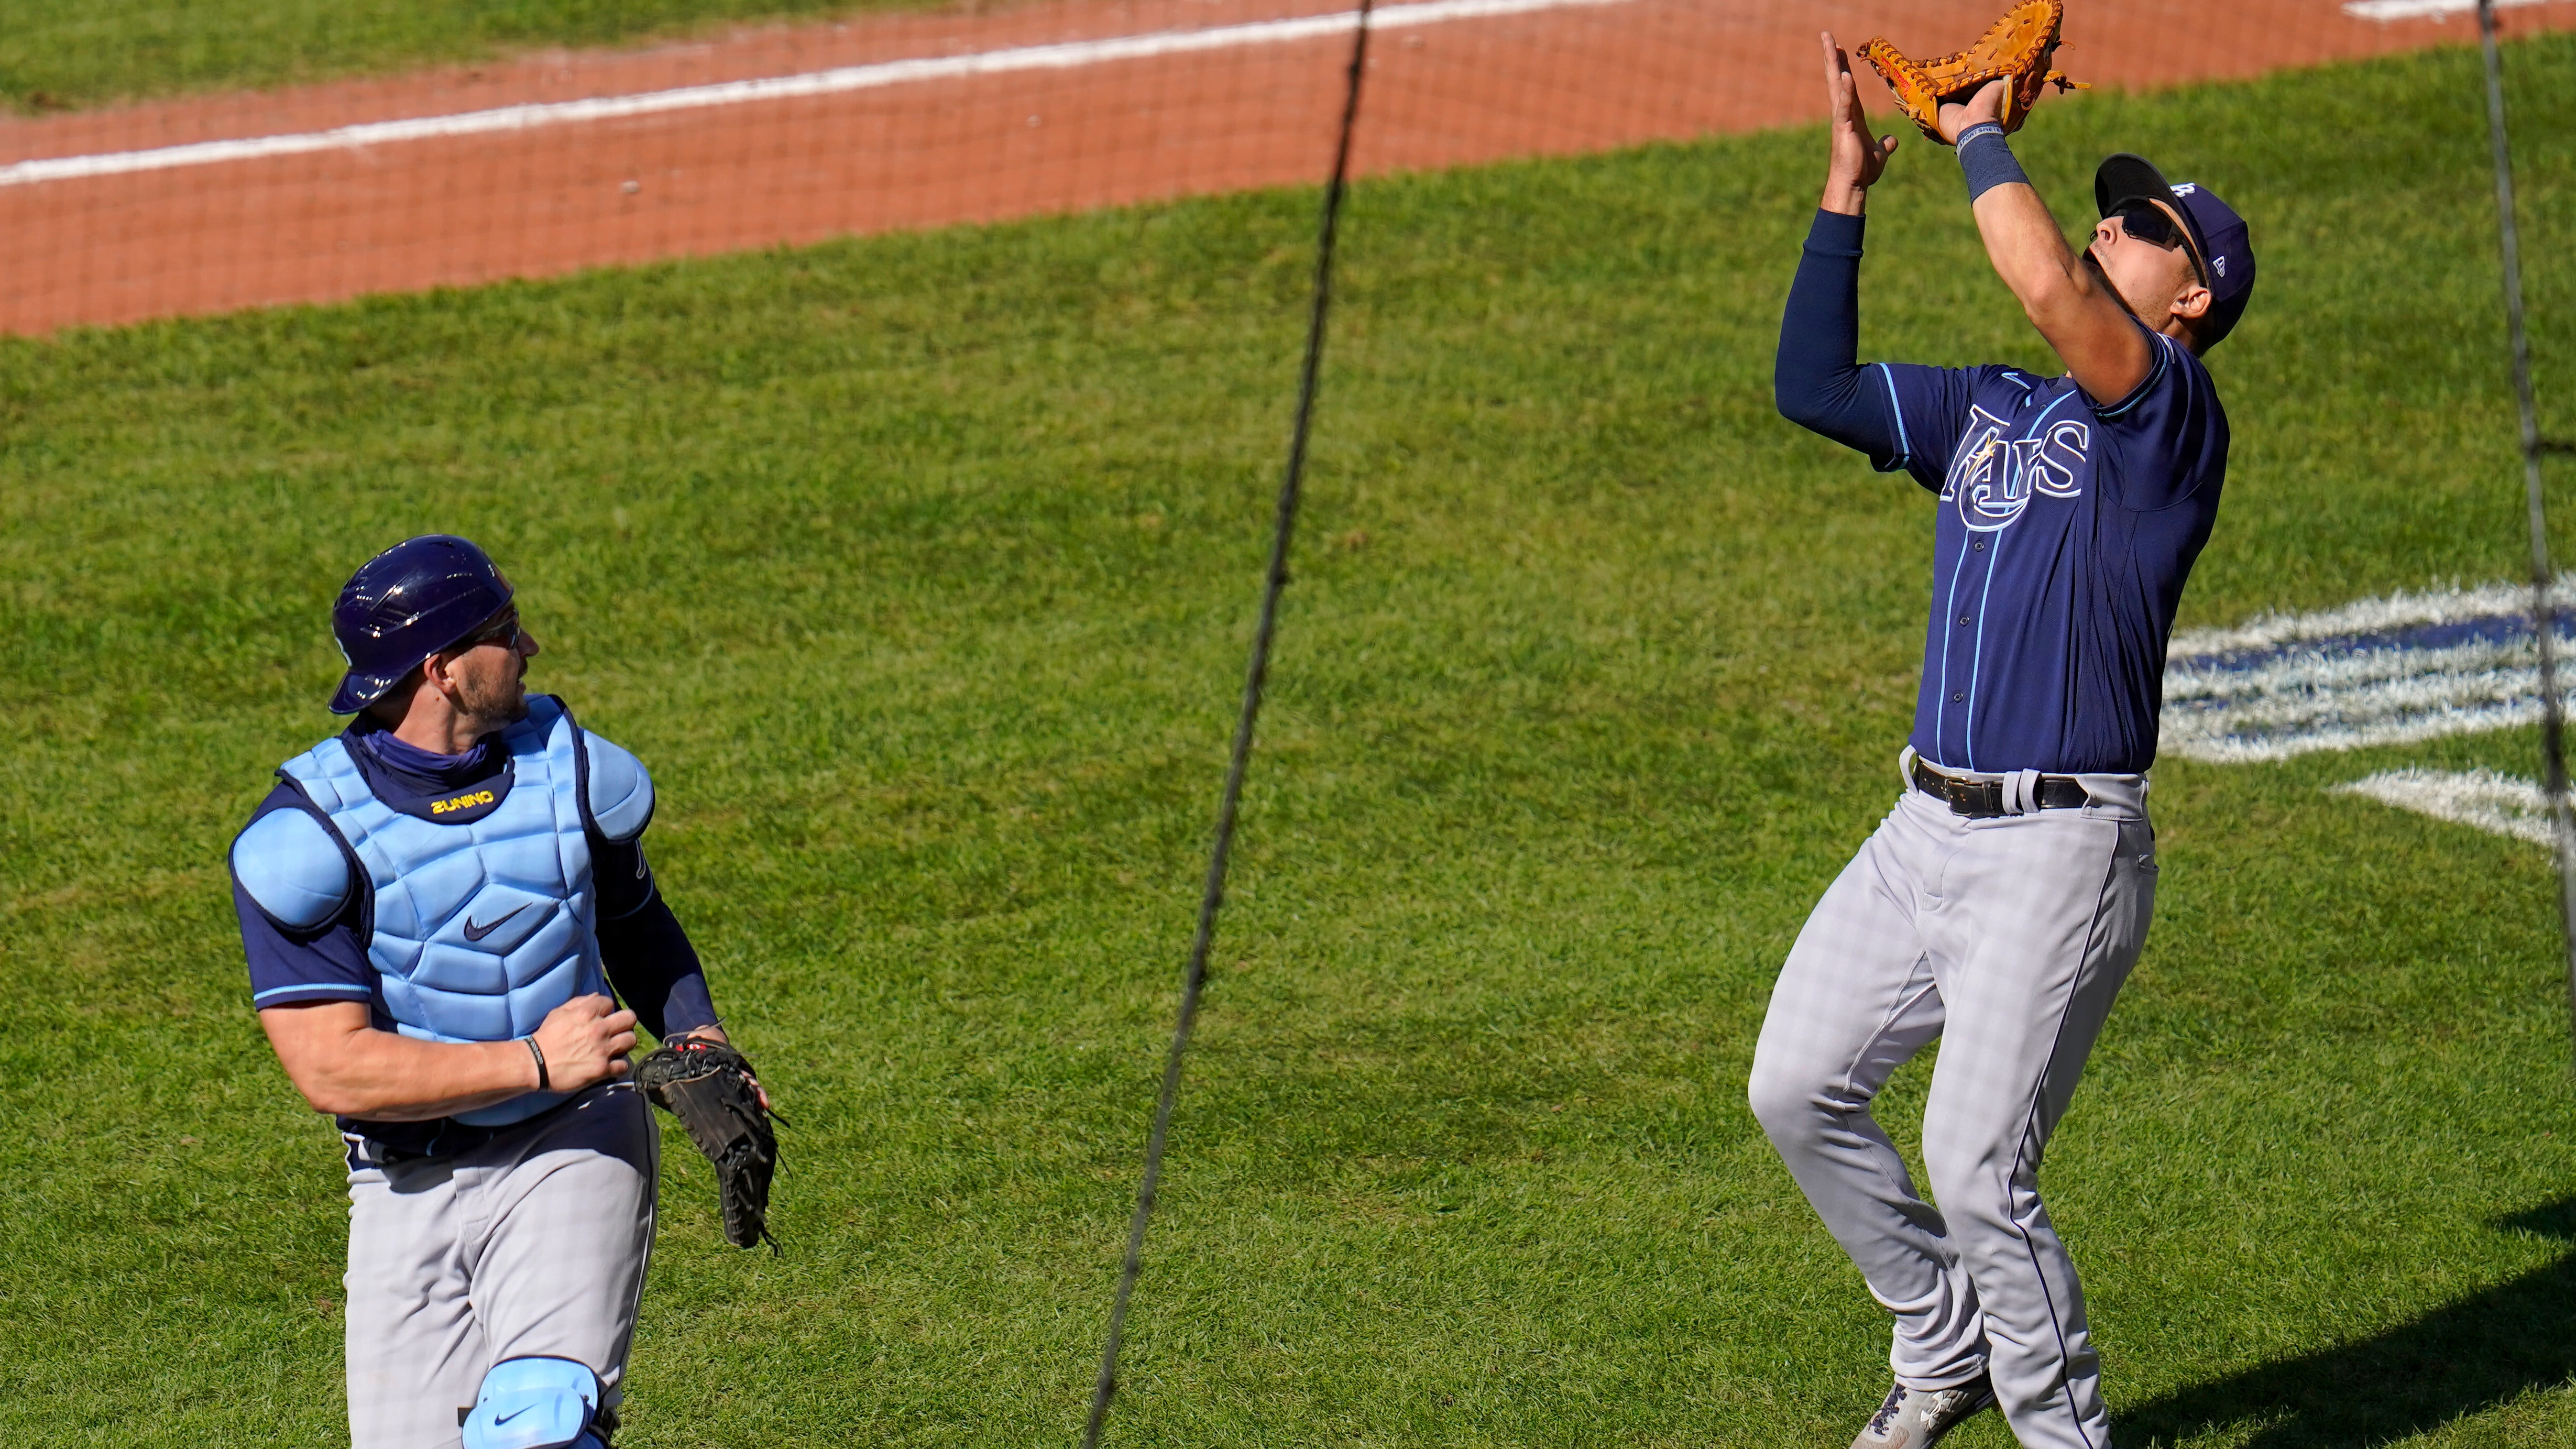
1984,799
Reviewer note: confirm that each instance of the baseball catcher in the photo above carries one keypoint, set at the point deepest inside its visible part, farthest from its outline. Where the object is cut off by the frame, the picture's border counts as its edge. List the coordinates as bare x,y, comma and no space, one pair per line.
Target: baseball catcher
2000,904
436,903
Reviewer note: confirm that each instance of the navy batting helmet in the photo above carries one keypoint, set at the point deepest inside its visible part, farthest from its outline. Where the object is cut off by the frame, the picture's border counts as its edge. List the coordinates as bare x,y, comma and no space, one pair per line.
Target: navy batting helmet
406,604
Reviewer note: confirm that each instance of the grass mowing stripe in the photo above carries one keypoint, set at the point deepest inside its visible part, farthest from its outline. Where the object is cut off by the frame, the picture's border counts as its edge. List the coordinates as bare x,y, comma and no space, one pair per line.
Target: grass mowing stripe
913,569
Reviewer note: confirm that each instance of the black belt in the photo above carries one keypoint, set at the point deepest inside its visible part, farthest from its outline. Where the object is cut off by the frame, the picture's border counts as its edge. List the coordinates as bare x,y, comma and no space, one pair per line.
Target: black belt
1984,799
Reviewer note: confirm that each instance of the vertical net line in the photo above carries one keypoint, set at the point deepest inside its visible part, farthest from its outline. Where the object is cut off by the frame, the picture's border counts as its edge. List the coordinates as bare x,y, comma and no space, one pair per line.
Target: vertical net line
1212,896
2544,616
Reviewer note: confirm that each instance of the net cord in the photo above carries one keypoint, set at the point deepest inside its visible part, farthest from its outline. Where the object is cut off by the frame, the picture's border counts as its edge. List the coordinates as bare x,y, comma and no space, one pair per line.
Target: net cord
1212,896
2544,614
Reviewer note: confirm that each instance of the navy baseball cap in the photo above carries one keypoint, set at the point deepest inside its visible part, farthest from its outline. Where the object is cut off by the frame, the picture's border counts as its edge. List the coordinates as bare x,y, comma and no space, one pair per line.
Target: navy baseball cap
2217,233
406,604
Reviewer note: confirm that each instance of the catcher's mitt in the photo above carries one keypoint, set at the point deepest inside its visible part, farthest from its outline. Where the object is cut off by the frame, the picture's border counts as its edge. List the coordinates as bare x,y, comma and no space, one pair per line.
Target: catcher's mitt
2020,45
708,1086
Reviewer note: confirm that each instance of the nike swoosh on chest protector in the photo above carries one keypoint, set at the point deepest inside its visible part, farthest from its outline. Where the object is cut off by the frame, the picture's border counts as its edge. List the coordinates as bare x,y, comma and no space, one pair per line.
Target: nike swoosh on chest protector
474,932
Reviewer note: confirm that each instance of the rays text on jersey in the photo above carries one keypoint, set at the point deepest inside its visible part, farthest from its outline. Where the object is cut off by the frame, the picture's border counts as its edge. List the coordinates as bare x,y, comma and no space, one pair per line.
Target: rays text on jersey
1993,478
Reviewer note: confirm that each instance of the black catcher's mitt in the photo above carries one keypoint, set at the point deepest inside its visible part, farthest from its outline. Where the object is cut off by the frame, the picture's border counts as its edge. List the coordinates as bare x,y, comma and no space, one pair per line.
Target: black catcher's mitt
708,1086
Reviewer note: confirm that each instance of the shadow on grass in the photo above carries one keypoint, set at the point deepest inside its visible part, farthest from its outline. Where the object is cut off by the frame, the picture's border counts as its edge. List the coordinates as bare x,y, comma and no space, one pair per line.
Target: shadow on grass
2457,1360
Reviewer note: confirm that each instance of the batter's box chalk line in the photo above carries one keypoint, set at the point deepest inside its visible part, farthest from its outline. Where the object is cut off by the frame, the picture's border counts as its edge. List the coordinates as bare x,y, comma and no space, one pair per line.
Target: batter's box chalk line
2393,670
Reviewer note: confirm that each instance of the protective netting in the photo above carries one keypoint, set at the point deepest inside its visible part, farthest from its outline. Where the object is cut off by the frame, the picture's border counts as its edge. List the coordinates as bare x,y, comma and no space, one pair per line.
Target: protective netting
556,161
553,162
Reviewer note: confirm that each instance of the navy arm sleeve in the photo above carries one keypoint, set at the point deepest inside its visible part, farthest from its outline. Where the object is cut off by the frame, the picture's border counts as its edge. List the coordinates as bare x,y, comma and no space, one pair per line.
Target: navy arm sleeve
648,957
1903,415
1817,381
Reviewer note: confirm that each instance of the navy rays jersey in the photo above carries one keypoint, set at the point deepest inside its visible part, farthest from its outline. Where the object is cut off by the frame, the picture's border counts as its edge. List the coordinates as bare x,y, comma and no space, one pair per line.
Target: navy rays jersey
2066,532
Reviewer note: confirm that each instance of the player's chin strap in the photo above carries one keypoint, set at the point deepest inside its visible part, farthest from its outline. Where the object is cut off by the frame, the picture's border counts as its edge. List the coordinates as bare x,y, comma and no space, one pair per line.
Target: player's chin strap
537,1403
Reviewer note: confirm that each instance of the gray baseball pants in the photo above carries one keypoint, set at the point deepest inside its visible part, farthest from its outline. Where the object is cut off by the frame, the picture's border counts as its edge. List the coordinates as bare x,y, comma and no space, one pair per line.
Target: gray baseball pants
533,1243
2007,939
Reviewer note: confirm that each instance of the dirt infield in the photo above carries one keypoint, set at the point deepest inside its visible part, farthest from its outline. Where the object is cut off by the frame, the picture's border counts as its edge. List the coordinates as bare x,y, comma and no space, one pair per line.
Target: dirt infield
542,192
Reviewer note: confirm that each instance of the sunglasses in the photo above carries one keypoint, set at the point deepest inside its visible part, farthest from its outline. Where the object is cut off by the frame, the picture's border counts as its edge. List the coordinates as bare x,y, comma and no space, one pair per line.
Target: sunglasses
2148,223
503,631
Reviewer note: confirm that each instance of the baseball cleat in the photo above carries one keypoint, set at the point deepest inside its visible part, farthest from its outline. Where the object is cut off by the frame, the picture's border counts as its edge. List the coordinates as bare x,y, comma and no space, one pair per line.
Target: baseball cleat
1917,1418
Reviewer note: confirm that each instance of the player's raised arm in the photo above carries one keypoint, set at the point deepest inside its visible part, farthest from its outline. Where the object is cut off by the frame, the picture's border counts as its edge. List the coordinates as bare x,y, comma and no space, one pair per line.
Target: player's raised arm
1816,378
2090,317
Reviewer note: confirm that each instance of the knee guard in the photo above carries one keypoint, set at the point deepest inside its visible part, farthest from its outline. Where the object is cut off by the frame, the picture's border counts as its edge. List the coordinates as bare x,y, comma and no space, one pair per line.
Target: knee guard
536,1403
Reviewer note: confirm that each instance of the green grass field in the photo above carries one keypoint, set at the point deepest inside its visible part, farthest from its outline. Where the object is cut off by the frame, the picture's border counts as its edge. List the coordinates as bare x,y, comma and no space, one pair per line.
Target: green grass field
64,54
920,570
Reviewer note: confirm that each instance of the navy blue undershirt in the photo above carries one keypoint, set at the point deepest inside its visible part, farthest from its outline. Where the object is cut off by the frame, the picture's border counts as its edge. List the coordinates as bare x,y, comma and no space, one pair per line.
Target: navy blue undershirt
647,956
427,769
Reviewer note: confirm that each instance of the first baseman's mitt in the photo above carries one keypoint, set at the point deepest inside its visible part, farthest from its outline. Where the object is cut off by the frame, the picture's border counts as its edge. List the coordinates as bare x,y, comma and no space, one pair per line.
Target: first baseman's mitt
2020,45
708,1086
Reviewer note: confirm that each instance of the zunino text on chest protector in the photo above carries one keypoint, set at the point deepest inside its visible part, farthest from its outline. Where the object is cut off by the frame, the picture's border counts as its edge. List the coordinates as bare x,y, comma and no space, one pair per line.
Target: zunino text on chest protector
479,929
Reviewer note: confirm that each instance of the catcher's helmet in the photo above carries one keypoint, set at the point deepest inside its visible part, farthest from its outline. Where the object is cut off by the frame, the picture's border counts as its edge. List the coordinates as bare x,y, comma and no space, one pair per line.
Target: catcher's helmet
406,604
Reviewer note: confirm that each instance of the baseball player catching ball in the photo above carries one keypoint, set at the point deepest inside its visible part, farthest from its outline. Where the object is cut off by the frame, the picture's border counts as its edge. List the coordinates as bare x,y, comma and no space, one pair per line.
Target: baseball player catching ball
2002,902
435,903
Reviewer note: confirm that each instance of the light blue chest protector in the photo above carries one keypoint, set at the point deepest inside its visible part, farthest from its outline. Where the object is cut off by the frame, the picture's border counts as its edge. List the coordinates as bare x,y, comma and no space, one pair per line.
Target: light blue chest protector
482,928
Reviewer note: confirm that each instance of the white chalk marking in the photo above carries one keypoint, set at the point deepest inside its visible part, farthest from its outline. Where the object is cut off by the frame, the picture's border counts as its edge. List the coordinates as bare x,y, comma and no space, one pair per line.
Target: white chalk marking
2219,745
2307,702
2384,11
2501,804
839,81
2366,616
2361,675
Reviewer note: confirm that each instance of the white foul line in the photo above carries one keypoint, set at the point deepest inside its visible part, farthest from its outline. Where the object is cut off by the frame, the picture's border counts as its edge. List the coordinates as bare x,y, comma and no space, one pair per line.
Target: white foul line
2387,10
1063,56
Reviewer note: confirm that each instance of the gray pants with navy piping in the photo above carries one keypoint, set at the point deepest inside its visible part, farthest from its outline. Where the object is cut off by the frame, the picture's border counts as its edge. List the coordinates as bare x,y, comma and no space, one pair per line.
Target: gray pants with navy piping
533,1243
2007,939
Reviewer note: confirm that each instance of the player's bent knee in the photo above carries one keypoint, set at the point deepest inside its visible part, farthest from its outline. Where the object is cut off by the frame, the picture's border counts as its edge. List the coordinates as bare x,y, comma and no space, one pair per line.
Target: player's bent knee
1784,1099
536,1403
1976,1190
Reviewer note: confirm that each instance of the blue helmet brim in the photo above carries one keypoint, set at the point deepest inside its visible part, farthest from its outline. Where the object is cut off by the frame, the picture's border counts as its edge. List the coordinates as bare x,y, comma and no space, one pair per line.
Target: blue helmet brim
358,690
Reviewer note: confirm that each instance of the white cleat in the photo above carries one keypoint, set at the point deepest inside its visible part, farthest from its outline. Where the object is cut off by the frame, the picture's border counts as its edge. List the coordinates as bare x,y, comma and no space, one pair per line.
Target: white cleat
1917,1418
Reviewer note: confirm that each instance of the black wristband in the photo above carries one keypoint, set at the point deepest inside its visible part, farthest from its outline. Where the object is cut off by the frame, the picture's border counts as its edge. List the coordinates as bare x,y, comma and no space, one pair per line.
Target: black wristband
544,1082
1987,159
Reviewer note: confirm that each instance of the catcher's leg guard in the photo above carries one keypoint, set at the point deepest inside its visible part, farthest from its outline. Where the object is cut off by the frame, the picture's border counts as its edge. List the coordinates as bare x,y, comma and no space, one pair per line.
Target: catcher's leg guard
536,1403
